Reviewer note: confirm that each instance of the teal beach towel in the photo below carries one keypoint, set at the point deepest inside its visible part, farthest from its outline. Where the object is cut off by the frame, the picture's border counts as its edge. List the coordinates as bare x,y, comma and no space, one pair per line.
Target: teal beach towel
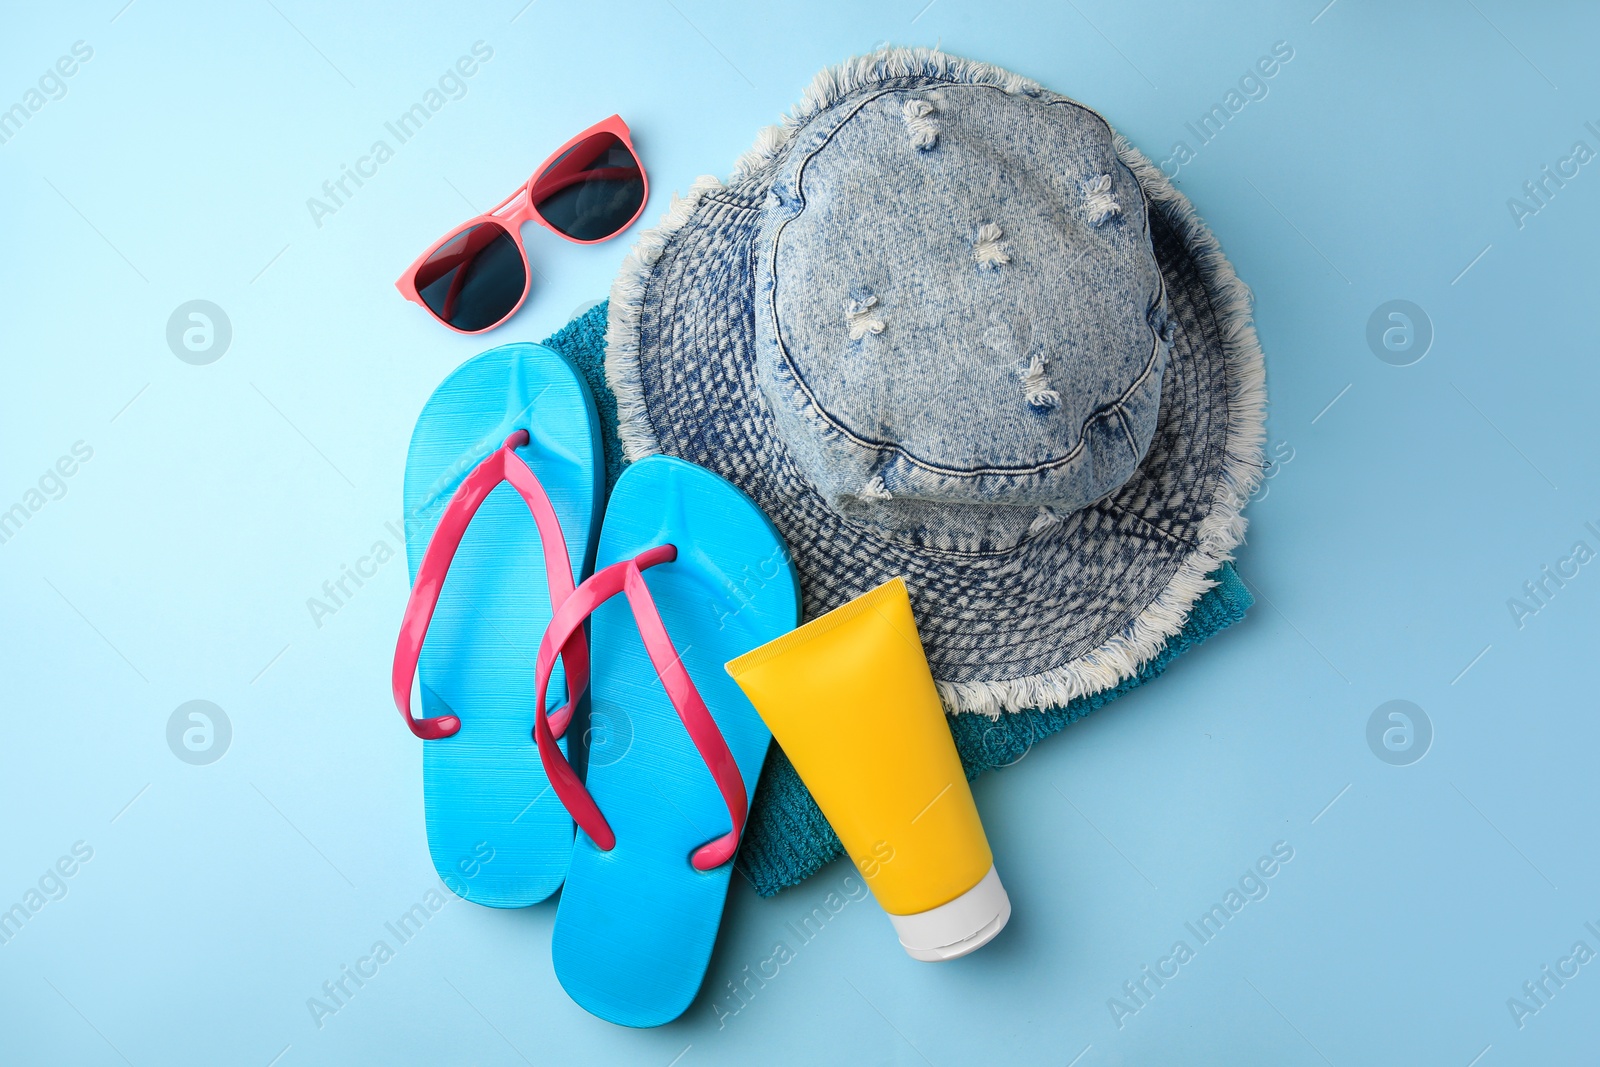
787,839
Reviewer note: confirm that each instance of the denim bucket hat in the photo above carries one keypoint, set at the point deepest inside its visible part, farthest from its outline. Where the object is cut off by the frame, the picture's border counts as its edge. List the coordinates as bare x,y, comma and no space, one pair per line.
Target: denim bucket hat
944,324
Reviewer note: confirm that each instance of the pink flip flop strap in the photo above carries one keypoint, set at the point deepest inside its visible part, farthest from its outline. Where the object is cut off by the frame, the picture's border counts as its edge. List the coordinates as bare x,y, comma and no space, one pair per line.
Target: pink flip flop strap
627,577
502,465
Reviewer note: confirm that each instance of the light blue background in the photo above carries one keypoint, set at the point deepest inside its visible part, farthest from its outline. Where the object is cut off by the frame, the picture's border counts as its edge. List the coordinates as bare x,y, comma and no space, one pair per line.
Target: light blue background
1394,529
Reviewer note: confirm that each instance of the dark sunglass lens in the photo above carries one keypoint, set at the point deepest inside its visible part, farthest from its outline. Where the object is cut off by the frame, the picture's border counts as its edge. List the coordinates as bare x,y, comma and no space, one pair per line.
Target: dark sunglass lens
592,190
475,279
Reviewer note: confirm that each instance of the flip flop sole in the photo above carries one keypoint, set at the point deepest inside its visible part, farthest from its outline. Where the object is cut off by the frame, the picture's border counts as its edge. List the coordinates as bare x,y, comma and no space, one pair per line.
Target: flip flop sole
497,833
635,926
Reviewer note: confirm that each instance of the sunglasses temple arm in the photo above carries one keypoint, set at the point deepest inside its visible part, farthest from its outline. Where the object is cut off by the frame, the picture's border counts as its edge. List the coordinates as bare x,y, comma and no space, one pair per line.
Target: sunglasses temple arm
565,166
452,298
548,186
474,244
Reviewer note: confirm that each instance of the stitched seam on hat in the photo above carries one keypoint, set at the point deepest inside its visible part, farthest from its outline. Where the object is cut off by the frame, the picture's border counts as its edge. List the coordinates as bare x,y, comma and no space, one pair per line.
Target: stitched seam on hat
1122,417
829,426
730,204
1094,415
1151,528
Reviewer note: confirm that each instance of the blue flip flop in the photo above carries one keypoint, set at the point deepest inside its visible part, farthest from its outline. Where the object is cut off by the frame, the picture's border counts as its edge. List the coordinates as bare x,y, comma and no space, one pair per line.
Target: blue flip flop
704,578
504,486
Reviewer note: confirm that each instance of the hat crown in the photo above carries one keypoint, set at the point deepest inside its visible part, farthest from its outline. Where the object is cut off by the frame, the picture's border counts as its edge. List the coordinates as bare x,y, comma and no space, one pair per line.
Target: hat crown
960,323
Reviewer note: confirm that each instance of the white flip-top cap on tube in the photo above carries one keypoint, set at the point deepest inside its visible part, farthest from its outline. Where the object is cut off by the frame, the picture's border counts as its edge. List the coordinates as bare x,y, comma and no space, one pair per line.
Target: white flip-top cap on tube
958,927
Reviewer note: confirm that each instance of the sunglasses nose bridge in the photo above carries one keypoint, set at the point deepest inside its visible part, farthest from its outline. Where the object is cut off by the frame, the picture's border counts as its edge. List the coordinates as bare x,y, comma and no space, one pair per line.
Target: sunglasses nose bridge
517,208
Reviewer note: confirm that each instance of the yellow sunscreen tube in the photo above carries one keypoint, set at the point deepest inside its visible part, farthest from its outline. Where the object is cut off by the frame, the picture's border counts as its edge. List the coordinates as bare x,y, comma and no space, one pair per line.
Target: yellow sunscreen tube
850,699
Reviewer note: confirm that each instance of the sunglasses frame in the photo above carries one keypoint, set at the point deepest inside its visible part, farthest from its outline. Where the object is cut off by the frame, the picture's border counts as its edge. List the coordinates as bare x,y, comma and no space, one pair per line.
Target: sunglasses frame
519,208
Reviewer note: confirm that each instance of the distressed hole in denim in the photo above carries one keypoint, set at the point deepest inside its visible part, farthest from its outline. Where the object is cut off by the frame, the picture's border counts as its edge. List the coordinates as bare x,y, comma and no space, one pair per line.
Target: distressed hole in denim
875,490
858,317
1036,385
989,252
922,122
1043,521
1098,202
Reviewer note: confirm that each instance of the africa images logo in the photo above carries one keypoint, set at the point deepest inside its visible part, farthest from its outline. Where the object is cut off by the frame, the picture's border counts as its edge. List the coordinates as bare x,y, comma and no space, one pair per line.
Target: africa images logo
51,886
451,85
52,485
1537,593
52,85
1252,87
1252,886
337,992
1540,190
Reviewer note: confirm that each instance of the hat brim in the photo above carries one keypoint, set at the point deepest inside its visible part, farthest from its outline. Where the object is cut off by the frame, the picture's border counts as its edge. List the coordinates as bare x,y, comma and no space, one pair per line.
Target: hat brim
1072,611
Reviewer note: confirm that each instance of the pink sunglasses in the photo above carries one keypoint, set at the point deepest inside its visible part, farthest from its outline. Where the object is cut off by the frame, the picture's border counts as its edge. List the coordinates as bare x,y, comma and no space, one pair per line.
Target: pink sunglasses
477,276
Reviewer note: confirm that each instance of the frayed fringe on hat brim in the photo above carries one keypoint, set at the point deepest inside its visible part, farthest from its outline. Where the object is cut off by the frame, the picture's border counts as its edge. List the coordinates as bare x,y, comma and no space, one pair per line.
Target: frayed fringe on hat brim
1220,532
